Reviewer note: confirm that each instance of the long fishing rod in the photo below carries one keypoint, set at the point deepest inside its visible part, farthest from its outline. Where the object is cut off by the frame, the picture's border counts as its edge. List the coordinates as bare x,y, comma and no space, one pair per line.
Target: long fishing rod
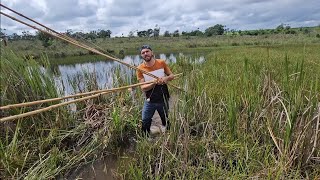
107,91
74,42
66,97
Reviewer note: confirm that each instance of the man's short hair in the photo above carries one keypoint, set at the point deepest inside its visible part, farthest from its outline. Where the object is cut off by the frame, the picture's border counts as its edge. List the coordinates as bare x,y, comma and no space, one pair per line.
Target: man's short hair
145,47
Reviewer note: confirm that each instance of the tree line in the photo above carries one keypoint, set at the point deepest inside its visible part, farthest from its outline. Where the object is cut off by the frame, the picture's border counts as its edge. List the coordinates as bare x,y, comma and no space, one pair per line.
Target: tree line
215,30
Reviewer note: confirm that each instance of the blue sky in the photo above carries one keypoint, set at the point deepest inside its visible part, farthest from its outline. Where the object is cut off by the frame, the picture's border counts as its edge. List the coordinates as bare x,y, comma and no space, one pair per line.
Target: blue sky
123,16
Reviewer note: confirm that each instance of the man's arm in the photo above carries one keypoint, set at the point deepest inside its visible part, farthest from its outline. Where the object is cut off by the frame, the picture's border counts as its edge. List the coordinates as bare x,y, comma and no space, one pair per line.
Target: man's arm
169,77
146,87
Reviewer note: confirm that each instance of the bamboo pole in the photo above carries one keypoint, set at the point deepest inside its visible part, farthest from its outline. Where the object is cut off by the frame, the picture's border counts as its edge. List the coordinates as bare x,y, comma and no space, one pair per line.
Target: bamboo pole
62,98
73,101
76,43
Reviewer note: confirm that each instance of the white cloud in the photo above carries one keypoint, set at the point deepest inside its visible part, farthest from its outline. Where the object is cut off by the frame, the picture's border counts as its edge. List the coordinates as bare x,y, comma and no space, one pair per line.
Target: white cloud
123,16
39,4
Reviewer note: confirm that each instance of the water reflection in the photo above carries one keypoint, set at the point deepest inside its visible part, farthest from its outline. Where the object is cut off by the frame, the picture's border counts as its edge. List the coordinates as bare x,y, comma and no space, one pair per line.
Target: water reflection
71,79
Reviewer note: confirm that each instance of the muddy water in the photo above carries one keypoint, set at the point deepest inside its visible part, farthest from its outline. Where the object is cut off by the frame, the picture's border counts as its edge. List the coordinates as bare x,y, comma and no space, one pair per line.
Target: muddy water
106,167
103,169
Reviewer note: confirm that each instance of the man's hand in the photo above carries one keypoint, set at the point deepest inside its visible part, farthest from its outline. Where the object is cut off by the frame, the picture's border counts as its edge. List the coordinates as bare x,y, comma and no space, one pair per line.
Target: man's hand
161,81
147,87
164,80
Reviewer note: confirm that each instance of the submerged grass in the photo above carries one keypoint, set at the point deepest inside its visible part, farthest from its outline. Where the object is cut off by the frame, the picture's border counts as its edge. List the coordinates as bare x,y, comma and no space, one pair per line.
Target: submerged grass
249,112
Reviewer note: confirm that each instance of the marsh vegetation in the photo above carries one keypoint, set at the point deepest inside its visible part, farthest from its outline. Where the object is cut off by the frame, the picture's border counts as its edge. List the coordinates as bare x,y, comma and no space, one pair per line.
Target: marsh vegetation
250,110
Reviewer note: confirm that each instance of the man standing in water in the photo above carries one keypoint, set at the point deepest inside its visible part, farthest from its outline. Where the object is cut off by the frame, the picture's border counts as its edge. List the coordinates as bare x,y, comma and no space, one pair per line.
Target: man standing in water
157,94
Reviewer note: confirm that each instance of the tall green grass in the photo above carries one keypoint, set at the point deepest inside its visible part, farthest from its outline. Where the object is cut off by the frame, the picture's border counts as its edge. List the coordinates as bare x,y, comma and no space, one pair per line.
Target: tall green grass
53,144
249,112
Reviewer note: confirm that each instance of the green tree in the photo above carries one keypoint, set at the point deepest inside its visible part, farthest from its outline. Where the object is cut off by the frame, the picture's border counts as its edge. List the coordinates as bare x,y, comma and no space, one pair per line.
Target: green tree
192,33
69,32
92,35
131,34
46,39
175,33
3,36
27,35
15,36
198,33
149,32
280,28
167,34
306,31
142,33
104,34
156,32
2,33
217,29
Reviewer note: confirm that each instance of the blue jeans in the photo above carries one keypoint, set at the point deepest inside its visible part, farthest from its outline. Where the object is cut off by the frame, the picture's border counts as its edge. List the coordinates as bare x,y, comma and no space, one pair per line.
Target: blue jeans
148,112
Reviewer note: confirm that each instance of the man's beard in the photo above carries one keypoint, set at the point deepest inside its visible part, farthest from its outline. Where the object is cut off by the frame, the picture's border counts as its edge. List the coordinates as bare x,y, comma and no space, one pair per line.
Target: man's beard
147,58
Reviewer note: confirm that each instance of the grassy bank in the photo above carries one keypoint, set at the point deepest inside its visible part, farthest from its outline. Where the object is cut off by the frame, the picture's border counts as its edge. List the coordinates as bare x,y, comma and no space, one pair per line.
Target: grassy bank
125,46
250,111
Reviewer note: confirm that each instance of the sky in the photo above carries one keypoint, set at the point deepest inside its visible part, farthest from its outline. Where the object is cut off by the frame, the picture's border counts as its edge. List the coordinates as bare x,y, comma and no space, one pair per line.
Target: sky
123,16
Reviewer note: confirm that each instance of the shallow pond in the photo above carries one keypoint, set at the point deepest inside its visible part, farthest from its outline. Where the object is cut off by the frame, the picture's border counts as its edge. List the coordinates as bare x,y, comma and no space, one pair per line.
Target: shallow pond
103,72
